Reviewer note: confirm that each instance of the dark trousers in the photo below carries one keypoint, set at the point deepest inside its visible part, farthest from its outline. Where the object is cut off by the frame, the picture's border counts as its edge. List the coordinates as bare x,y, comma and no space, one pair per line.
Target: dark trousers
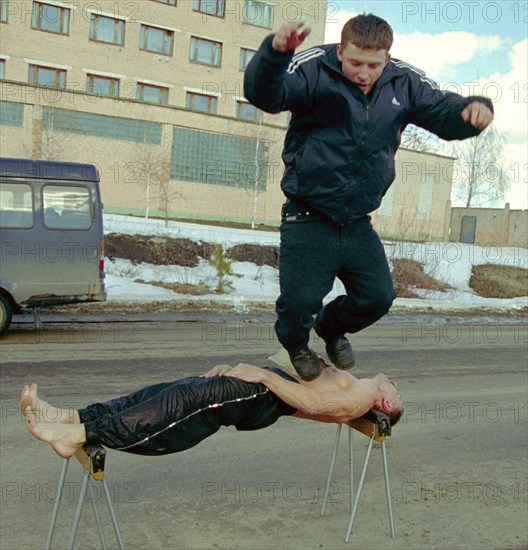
175,416
313,252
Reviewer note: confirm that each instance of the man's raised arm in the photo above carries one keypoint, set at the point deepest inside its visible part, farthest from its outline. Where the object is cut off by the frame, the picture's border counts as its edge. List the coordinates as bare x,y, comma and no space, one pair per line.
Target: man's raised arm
264,78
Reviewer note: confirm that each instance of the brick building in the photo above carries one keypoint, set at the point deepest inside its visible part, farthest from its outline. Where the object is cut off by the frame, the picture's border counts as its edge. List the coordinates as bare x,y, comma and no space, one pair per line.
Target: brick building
151,92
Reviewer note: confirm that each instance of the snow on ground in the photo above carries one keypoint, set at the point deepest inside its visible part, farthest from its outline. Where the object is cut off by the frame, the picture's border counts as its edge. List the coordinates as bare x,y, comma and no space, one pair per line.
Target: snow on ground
447,262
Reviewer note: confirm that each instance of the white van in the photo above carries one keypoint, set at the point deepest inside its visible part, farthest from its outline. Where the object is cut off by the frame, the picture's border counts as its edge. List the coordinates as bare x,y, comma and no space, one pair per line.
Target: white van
51,235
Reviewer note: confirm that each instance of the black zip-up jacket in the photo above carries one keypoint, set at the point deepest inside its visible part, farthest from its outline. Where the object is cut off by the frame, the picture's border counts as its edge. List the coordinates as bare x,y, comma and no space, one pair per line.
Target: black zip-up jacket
339,149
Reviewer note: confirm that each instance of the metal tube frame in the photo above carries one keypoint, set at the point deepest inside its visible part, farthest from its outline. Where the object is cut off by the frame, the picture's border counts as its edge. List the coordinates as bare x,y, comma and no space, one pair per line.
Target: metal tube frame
80,503
354,502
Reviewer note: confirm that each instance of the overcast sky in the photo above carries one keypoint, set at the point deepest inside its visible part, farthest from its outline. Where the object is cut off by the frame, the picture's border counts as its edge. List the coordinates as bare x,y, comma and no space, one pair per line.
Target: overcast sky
470,47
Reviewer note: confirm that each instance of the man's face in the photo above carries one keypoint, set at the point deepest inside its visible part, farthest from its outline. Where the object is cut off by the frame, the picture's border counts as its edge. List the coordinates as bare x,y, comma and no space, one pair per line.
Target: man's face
390,396
363,67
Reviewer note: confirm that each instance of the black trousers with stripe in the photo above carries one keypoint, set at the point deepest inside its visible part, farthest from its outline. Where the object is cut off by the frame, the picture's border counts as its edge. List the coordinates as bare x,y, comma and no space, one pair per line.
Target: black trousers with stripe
175,416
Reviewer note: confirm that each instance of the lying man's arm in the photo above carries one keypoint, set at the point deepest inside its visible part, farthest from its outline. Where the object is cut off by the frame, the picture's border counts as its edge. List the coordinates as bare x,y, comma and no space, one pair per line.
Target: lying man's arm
218,370
329,406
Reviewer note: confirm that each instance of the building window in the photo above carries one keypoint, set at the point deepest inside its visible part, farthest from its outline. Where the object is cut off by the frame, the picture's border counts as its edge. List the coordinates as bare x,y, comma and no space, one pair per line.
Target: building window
102,85
257,13
154,39
107,29
246,55
210,7
152,94
3,11
247,111
88,124
201,103
50,18
168,2
2,69
205,51
219,159
47,76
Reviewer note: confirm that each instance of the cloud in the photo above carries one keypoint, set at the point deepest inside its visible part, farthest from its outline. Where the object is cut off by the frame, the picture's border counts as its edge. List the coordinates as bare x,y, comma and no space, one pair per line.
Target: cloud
438,54
335,23
511,118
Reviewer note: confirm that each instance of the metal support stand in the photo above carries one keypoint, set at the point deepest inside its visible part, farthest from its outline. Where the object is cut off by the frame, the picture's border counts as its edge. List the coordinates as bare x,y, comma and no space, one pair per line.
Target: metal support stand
92,459
376,426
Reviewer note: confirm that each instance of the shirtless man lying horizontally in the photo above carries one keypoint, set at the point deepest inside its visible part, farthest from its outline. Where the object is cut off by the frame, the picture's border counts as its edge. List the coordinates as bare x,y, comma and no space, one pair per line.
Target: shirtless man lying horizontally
174,416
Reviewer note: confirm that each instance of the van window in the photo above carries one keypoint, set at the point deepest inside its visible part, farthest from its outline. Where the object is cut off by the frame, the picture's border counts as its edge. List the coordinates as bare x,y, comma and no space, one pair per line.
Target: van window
66,207
16,206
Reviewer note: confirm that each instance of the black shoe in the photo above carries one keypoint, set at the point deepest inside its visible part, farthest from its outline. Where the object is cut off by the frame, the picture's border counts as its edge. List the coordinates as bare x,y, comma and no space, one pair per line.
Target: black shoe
306,363
340,352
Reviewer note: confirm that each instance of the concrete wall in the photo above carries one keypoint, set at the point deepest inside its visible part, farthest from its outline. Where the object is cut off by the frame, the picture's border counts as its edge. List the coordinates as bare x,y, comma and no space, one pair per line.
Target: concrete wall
417,206
499,226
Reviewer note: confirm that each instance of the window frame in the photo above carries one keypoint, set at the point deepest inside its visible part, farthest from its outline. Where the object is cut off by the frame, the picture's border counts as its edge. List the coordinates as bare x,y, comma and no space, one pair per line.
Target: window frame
194,51
243,51
61,191
164,93
167,2
114,83
19,208
38,13
94,18
212,103
4,11
269,7
58,73
239,107
200,4
166,32
3,65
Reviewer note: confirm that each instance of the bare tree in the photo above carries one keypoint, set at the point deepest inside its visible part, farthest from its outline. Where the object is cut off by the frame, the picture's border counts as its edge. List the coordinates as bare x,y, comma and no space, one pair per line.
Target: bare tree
480,178
152,171
258,169
52,144
418,139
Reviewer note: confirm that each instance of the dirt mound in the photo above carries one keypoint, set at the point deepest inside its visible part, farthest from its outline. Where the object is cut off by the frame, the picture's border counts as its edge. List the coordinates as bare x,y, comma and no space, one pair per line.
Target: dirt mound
409,274
499,281
156,250
259,255
168,251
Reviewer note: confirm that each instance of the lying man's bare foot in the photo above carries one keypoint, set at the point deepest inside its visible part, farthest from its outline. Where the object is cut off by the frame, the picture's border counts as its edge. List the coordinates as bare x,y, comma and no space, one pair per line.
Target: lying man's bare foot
65,439
44,412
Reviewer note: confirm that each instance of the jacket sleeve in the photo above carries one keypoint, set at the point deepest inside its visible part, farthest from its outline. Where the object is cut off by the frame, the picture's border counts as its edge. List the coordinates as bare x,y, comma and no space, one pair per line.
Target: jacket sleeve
439,111
269,86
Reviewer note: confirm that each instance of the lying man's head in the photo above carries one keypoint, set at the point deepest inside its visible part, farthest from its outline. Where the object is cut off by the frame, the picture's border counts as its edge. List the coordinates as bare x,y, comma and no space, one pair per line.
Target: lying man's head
389,401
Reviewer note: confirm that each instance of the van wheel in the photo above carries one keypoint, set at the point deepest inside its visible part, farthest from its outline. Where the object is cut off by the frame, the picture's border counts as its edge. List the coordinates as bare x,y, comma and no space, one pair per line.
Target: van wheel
6,314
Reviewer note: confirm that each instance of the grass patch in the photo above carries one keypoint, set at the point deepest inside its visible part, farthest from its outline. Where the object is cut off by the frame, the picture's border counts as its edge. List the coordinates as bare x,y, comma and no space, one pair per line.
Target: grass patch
499,281
409,274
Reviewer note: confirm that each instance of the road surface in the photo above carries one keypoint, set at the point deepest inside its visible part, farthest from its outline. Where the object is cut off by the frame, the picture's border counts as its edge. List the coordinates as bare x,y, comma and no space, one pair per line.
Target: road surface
458,461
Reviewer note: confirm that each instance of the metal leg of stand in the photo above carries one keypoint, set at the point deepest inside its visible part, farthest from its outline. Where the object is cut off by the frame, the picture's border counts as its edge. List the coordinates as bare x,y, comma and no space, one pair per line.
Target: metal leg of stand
387,486
351,465
112,514
80,504
331,472
97,518
57,502
360,487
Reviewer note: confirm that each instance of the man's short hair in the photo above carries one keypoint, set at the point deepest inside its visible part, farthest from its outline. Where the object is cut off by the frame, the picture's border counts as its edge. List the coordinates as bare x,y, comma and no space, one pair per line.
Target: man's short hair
395,416
367,31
